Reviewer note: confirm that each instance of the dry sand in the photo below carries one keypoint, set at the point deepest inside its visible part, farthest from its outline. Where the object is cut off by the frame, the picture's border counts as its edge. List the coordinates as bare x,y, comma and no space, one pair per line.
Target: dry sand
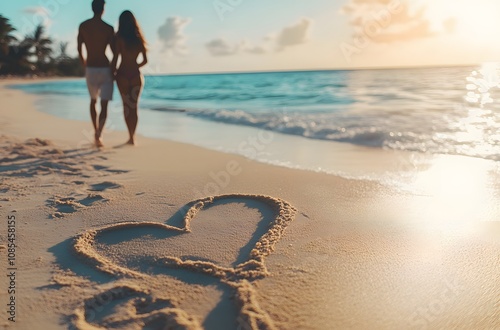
149,238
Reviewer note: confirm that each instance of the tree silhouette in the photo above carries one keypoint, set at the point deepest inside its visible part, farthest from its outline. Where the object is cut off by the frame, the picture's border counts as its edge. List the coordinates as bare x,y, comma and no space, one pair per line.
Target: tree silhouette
16,57
6,39
17,60
63,50
41,45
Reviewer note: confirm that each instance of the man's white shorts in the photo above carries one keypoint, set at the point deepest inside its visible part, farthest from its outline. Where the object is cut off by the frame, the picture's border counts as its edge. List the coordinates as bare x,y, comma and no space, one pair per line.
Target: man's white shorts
100,83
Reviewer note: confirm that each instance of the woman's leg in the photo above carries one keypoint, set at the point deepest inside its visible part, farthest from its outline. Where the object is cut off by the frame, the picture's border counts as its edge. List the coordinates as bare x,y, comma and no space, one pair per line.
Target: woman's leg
130,91
135,90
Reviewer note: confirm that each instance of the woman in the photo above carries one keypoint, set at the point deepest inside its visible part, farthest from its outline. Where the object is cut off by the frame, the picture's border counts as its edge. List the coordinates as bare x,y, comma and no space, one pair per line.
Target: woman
129,44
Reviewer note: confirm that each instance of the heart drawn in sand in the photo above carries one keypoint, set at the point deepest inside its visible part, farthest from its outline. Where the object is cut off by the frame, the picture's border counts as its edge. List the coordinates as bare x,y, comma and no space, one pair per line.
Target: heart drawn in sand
239,275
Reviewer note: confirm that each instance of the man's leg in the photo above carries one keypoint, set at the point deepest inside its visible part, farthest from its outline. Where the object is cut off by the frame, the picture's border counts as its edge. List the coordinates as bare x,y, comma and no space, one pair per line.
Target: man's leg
103,116
102,122
106,95
93,113
94,93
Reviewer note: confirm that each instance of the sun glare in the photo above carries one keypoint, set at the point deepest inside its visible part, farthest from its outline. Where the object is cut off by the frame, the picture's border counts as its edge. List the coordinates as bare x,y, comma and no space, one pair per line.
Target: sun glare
459,190
474,20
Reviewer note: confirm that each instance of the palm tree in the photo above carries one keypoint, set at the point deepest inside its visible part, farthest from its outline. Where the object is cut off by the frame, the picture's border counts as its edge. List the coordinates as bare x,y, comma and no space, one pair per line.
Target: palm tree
41,44
6,38
65,65
63,52
16,61
19,55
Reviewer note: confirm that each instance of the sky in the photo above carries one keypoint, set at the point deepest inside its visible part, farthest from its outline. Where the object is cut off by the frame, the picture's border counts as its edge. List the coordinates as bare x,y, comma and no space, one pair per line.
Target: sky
262,35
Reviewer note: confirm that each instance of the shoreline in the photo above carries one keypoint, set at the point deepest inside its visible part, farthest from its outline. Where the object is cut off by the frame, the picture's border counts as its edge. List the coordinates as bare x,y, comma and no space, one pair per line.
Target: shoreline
247,147
357,254
390,167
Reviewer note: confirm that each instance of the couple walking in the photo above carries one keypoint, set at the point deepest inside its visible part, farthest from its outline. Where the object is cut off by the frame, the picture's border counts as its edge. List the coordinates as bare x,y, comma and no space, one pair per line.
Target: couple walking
126,44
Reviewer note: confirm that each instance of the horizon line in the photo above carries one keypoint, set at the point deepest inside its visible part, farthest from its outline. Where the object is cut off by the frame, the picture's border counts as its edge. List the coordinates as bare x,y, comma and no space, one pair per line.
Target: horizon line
430,66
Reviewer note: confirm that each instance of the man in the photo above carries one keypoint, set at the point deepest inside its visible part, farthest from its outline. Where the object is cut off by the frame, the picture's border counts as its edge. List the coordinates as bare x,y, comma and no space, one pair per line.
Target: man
97,36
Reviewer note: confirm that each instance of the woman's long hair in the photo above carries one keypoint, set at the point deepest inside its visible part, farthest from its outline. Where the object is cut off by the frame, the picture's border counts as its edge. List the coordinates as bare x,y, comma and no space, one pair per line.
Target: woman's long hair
130,31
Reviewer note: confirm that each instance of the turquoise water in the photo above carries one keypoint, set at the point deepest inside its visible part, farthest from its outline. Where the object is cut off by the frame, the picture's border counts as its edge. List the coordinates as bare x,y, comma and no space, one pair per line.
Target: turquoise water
432,110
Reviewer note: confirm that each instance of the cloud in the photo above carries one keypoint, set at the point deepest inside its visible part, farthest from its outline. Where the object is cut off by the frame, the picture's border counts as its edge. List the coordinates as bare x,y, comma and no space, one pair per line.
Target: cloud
289,36
221,47
418,30
450,25
172,35
256,50
294,35
41,15
388,21
36,10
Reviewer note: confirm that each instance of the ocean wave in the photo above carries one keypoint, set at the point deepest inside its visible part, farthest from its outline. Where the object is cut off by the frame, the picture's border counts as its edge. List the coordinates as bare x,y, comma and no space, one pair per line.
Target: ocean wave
168,109
226,95
296,124
364,131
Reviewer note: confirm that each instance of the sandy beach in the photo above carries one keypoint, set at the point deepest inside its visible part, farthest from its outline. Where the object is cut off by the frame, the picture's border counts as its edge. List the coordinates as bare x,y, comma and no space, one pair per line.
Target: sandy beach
169,235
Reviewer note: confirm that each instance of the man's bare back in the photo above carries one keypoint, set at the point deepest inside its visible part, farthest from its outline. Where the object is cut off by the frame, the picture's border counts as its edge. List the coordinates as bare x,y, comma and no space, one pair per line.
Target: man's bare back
96,35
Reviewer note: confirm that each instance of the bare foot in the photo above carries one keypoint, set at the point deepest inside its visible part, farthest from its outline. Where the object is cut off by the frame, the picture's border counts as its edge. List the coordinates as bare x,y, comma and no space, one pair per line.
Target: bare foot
98,140
131,142
98,143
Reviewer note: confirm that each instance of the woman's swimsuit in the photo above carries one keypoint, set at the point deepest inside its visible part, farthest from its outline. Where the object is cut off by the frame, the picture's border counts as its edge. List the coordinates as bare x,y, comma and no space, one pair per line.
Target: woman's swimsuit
128,74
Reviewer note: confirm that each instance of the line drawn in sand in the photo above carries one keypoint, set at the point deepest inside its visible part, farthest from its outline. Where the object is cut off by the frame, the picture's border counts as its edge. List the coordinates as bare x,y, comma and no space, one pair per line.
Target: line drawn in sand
144,310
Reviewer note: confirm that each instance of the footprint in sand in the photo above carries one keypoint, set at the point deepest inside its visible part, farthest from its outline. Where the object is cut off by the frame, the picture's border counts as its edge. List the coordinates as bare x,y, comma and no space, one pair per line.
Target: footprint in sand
104,186
108,169
91,199
67,205
136,309
37,158
102,248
